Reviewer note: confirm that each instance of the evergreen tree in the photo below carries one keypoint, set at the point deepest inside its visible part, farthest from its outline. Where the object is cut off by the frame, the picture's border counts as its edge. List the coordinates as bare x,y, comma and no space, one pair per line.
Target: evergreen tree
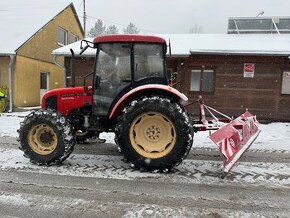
98,29
196,28
131,29
112,29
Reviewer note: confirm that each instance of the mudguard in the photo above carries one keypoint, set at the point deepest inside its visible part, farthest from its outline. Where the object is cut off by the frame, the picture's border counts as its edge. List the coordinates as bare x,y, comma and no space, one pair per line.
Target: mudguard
145,88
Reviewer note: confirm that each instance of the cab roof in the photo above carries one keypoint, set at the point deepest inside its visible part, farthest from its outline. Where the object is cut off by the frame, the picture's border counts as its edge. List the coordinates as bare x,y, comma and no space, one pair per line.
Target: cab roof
128,38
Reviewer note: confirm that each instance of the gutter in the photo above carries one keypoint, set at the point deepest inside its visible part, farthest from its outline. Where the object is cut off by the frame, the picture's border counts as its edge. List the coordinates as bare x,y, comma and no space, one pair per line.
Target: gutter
54,57
10,72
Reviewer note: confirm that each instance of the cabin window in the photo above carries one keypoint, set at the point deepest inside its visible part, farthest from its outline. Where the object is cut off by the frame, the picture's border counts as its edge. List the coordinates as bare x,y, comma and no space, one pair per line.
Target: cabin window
202,80
73,38
286,83
61,36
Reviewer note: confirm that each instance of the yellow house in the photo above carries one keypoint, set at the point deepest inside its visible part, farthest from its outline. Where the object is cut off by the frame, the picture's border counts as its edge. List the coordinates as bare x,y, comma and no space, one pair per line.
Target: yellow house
28,35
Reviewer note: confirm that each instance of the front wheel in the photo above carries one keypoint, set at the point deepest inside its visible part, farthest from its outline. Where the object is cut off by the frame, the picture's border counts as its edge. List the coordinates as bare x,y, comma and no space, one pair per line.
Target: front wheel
154,133
46,137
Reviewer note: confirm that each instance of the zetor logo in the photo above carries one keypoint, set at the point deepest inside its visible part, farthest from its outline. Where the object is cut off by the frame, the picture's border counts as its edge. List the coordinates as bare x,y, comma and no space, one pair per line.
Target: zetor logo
71,95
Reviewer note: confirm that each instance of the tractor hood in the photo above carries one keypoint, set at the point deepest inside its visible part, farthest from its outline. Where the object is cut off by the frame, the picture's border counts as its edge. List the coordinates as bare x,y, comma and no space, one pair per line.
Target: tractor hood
67,99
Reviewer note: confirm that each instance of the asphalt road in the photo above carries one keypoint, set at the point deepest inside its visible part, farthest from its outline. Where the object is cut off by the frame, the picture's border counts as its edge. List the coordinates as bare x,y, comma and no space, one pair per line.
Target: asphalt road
95,183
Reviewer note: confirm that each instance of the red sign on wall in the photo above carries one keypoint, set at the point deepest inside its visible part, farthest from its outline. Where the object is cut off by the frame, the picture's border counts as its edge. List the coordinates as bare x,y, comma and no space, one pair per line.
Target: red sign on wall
249,70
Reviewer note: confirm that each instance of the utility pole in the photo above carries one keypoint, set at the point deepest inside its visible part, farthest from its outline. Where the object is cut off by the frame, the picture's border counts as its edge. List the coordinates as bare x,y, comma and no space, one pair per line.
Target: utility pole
85,17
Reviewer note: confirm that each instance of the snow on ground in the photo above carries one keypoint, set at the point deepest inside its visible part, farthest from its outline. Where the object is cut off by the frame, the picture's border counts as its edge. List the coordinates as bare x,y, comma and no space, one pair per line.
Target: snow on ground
274,136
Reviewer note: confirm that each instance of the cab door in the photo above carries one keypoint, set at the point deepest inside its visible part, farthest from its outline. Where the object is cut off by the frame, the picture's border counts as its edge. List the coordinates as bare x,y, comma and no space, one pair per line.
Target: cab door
113,69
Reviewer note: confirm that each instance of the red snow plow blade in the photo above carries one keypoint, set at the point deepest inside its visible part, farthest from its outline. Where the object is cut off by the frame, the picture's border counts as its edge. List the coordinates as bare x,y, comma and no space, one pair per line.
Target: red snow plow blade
235,138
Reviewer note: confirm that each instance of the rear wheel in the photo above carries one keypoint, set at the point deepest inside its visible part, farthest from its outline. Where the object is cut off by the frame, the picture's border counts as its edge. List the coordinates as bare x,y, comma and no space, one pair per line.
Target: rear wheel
154,133
46,137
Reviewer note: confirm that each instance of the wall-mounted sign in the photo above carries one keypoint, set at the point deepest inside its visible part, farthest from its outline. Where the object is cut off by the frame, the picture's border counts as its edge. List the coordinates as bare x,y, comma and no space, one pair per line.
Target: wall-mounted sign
249,70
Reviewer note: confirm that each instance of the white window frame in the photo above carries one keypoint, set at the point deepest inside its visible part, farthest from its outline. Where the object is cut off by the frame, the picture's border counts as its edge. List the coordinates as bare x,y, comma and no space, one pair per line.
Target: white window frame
65,36
196,78
285,87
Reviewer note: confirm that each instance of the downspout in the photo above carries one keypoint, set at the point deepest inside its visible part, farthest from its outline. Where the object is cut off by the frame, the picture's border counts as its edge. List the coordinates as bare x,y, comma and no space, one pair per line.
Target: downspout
10,85
54,57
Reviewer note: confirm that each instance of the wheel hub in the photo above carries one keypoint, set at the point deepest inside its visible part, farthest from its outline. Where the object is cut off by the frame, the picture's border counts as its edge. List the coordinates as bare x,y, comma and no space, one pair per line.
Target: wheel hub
46,138
153,133
42,139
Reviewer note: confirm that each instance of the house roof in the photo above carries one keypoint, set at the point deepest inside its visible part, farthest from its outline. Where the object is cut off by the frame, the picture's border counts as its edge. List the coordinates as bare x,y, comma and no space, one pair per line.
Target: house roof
186,44
20,20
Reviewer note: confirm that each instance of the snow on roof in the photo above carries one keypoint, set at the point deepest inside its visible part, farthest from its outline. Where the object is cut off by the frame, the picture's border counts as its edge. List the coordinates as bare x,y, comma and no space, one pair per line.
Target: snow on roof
186,44
65,50
246,44
20,20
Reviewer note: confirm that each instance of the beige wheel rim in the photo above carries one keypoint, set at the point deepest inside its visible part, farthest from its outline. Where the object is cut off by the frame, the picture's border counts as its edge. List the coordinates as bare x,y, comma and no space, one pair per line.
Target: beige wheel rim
42,139
152,135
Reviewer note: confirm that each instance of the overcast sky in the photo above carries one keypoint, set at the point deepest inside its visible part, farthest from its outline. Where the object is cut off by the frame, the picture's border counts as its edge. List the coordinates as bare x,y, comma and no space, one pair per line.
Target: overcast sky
178,16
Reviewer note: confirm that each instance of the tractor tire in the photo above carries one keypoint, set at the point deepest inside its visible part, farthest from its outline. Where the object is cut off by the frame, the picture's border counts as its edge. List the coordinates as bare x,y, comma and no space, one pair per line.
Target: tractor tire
154,133
46,137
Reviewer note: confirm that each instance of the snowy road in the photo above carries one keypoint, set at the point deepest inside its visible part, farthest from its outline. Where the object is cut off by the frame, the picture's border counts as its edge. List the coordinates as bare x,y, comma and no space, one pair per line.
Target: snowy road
94,182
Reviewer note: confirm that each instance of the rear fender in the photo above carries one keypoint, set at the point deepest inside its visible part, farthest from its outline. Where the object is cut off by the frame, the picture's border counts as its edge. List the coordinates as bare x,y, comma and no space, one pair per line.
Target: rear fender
146,89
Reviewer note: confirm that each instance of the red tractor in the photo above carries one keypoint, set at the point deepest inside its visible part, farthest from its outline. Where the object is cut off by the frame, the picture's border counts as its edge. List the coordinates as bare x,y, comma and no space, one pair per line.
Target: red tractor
129,96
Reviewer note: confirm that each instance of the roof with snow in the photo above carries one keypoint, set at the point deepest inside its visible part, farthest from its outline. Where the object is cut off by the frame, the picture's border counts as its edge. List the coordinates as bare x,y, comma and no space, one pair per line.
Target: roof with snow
186,44
20,20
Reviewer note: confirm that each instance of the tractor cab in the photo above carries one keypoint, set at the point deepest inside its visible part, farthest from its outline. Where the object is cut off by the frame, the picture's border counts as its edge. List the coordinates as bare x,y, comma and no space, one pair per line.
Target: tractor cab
124,62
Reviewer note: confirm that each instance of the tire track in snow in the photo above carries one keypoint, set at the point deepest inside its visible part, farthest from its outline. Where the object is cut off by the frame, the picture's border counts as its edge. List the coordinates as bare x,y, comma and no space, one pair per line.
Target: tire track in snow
189,171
